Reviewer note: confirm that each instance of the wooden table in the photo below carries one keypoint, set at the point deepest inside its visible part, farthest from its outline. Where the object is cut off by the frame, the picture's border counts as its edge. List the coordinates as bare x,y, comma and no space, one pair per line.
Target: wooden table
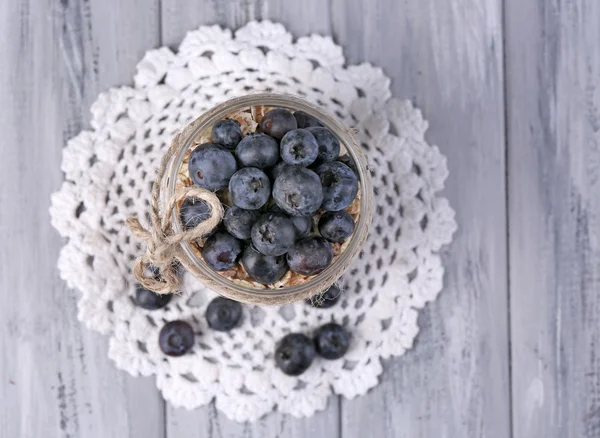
511,88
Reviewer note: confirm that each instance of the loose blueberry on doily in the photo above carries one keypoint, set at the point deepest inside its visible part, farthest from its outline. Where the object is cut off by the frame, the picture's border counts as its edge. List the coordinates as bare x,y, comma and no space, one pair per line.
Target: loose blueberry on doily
327,299
294,354
223,314
146,299
176,338
332,341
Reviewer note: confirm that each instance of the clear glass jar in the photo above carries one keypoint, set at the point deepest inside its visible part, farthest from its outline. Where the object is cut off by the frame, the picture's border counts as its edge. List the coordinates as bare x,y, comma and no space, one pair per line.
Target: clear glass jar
332,273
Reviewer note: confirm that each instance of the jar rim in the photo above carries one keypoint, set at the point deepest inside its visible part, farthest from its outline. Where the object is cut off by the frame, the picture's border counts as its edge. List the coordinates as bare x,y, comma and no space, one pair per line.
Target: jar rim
327,277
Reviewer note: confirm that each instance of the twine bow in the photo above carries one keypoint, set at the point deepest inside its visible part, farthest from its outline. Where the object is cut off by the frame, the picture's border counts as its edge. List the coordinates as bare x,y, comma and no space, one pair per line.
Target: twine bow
163,244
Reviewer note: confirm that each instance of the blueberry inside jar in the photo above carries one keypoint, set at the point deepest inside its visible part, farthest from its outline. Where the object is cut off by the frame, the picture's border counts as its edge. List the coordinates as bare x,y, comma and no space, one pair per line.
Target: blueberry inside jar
297,199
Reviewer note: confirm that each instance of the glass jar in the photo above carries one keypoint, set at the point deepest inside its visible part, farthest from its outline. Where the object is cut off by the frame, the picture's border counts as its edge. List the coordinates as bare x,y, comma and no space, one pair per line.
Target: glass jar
333,272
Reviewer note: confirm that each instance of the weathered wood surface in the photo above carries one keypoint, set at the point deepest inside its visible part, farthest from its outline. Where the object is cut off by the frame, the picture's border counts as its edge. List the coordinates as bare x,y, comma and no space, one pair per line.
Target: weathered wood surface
553,95
56,378
449,57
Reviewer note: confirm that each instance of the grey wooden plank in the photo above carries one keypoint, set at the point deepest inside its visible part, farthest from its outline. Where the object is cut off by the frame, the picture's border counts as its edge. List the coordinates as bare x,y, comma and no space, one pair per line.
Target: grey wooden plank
210,423
304,17
299,17
447,57
553,71
55,376
180,16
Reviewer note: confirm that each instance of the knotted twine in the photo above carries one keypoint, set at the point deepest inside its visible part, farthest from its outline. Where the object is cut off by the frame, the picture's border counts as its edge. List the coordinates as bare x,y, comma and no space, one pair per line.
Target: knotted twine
163,244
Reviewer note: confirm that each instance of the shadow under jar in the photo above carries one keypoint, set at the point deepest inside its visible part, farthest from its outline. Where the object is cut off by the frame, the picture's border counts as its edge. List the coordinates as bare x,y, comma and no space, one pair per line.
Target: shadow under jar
249,110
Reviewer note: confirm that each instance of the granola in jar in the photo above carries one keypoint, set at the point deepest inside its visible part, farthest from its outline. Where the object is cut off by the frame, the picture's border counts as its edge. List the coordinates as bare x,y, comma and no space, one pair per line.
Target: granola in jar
277,173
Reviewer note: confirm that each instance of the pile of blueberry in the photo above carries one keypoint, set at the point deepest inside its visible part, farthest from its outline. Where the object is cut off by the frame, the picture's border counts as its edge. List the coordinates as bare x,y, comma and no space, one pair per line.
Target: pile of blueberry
294,352
177,337
278,180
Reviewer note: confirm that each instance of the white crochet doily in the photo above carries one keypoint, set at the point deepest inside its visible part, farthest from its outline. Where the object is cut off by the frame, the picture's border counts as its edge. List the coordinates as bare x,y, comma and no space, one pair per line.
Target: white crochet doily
108,174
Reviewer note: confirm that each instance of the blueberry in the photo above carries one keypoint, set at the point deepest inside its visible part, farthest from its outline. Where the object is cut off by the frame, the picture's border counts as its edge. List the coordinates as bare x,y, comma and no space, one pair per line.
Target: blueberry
193,211
257,150
249,188
152,271
299,148
227,133
176,338
146,299
310,256
327,299
348,161
298,191
223,314
278,122
332,341
336,226
340,185
305,120
238,222
294,354
329,145
262,268
211,166
276,170
302,224
273,234
221,251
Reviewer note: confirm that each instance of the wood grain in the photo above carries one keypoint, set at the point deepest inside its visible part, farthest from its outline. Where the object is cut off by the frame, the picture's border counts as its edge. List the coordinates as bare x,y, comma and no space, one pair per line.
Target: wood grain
299,17
553,71
56,377
210,423
447,57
